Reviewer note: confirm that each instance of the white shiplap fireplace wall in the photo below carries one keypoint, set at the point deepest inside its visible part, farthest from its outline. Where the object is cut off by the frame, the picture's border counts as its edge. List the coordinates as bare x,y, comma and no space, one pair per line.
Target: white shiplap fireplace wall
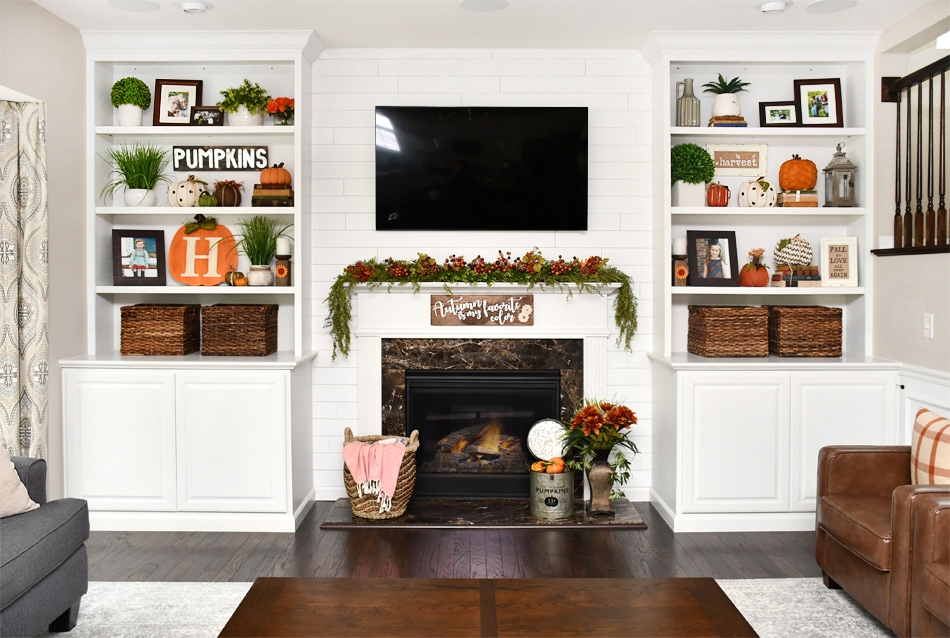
348,84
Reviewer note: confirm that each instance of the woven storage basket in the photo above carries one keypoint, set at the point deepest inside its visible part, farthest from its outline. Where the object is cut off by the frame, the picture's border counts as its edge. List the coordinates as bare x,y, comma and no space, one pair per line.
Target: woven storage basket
160,329
366,506
728,331
235,330
804,331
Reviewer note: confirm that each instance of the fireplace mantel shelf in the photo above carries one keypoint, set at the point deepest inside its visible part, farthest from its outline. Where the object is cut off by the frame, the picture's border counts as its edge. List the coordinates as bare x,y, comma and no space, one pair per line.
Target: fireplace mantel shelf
464,287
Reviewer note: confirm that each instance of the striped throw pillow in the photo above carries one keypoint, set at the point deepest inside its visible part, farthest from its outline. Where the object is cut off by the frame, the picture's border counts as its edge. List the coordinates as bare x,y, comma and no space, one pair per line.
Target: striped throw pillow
930,449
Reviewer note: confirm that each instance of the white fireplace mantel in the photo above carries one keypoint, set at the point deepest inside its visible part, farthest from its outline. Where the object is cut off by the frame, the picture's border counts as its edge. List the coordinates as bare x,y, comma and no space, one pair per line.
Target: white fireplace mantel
402,312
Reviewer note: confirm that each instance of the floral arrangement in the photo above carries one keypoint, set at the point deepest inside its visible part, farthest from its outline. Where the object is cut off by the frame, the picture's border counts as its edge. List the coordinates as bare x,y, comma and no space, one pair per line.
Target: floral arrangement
282,109
756,259
597,428
589,275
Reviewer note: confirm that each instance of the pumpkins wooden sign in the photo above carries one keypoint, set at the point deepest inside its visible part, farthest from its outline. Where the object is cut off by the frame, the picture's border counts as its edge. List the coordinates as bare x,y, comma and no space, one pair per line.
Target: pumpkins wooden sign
202,253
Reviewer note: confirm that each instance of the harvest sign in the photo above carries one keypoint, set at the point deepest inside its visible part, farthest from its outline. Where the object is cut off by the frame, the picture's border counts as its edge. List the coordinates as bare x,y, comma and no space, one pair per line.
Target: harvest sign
482,310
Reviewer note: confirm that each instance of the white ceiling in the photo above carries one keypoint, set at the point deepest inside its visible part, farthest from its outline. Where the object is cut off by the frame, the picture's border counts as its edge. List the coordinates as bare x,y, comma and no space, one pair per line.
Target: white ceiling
554,24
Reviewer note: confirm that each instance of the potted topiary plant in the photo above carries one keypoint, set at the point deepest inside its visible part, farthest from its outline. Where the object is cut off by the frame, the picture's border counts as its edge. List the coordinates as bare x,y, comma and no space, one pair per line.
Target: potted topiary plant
131,96
245,105
259,242
137,169
726,101
691,166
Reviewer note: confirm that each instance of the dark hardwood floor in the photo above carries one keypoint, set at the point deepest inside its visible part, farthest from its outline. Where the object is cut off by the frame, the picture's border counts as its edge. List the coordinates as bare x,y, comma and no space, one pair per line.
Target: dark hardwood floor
463,553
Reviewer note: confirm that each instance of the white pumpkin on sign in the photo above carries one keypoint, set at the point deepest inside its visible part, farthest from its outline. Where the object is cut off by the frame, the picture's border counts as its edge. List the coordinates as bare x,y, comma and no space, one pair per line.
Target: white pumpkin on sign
186,192
757,193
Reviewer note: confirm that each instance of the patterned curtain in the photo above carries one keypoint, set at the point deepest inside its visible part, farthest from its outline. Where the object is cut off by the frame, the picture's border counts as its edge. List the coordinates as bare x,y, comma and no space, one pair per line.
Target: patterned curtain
24,278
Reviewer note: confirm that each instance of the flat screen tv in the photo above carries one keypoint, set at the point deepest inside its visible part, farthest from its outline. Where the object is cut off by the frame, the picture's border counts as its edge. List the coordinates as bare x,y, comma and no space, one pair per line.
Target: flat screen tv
481,168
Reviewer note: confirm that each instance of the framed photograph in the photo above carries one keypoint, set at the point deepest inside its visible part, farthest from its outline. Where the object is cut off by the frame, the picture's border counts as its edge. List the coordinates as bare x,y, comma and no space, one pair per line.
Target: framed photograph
819,102
207,116
138,257
739,159
839,261
712,258
174,102
778,114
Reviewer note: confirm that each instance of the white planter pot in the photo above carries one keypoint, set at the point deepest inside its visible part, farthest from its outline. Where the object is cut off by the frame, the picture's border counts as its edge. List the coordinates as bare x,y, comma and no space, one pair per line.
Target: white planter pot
140,197
244,118
726,104
260,276
129,115
685,194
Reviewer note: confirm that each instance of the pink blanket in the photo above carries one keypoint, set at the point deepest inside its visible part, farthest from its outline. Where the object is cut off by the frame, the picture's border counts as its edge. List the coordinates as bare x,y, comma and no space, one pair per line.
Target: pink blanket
375,468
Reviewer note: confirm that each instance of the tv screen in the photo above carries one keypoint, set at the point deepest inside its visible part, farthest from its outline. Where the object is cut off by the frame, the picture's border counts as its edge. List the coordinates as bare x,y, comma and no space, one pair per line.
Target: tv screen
481,168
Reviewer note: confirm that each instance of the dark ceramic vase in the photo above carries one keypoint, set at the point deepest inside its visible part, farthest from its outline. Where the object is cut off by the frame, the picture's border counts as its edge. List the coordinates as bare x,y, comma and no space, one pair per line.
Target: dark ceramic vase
598,477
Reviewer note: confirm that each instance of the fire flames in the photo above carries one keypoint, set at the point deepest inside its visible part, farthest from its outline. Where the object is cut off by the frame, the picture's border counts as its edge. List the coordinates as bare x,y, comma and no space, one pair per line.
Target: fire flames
487,441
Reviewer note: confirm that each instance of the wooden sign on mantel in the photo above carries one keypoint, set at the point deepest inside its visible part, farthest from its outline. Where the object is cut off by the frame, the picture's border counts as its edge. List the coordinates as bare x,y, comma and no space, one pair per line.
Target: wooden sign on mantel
482,310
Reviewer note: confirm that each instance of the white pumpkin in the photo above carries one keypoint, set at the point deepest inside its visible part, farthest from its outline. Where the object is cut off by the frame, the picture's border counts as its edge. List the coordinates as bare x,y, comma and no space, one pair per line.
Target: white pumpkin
186,192
757,193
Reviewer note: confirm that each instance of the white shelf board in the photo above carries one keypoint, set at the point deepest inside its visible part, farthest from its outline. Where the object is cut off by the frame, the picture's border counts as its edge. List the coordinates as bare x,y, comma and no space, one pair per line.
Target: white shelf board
748,291
195,290
191,211
767,131
718,211
195,131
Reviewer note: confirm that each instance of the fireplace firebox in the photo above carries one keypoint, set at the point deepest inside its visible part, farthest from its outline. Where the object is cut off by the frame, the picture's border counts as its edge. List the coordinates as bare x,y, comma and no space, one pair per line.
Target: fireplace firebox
473,427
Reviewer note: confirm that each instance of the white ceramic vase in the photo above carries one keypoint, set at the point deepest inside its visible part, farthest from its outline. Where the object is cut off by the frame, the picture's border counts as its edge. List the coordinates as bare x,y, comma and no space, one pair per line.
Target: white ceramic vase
686,194
245,118
260,276
140,197
726,104
129,115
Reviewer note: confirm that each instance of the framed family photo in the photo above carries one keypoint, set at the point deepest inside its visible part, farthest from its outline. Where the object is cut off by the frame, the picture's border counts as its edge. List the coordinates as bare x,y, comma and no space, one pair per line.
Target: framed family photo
778,114
819,102
138,257
712,258
207,116
174,101
839,261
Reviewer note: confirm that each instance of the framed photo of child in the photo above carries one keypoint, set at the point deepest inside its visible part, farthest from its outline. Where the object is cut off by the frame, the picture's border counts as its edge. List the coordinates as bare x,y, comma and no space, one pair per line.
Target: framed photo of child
138,257
712,257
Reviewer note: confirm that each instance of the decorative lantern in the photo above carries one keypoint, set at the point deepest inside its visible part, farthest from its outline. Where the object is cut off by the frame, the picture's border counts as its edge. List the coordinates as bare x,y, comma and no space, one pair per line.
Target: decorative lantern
839,180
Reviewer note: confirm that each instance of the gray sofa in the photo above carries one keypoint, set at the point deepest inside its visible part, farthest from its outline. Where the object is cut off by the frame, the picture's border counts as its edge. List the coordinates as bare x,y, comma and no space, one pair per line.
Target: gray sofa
43,566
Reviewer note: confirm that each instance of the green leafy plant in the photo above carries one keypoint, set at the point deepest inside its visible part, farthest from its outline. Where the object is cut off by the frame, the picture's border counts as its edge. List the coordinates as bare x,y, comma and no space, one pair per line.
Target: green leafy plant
250,95
691,163
259,238
131,91
135,166
722,85
588,275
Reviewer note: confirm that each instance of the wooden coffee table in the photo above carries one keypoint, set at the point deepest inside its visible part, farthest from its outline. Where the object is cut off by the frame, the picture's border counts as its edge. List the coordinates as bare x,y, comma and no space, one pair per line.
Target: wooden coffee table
486,607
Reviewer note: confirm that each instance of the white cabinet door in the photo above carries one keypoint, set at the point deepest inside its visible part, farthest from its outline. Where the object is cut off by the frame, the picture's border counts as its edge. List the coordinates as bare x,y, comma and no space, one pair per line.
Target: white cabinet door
232,441
120,438
735,444
837,408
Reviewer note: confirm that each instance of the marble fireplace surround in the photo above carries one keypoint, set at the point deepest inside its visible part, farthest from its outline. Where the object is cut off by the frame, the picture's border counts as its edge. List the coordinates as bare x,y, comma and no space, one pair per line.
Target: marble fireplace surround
567,327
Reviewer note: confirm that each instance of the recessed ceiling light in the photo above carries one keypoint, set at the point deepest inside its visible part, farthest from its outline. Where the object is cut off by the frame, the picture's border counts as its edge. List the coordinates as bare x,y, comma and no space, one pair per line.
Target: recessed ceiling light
776,6
483,5
829,6
139,6
195,6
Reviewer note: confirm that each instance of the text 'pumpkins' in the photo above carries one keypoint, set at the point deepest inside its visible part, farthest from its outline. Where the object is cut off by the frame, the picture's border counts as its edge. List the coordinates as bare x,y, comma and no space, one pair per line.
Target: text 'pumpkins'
798,174
202,257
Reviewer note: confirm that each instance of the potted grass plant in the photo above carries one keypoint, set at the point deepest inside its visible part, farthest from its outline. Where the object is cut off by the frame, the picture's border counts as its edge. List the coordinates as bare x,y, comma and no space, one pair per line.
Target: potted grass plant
136,169
130,96
259,242
245,105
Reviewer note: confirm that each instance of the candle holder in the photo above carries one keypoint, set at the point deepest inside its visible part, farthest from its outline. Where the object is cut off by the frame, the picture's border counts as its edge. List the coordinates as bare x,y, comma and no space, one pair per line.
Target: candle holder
282,271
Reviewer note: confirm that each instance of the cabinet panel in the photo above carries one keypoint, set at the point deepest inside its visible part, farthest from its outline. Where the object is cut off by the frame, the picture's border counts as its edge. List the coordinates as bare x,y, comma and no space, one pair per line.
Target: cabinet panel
232,441
735,446
120,439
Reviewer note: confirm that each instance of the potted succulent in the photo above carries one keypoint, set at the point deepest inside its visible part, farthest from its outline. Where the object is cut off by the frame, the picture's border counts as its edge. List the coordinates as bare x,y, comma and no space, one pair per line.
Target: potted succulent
259,242
245,105
726,101
691,166
137,169
131,96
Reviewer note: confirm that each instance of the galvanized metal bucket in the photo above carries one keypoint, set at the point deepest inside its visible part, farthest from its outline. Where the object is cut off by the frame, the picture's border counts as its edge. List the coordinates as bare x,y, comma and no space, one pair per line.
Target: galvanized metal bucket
552,495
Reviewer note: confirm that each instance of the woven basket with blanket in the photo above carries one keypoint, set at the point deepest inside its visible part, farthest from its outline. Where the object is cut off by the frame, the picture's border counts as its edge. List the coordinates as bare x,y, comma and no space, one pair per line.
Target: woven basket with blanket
379,473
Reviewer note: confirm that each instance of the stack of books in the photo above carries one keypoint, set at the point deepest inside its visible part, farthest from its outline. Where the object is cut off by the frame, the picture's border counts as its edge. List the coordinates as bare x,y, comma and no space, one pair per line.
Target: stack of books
272,195
796,277
797,199
727,120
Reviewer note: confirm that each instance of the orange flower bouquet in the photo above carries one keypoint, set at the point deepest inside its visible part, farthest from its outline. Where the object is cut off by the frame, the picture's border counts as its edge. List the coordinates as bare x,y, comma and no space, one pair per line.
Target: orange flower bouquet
282,108
597,428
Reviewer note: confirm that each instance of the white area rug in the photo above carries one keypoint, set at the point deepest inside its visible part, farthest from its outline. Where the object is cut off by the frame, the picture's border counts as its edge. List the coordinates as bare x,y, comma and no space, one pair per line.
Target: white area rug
776,608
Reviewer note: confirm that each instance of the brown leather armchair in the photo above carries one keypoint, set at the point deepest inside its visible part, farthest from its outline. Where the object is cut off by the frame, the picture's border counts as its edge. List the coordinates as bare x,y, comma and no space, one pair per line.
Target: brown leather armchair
864,529
930,571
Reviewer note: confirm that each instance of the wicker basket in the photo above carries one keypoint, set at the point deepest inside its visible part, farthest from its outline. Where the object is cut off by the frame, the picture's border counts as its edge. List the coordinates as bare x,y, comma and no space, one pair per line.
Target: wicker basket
367,506
728,331
804,331
160,329
235,330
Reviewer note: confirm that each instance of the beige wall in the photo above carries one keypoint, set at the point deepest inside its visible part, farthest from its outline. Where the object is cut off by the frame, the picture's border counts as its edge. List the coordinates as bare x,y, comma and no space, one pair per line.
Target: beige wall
43,57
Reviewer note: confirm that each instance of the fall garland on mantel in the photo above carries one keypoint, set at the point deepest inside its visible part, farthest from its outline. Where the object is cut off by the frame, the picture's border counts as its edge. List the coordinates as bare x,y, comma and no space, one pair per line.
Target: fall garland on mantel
532,269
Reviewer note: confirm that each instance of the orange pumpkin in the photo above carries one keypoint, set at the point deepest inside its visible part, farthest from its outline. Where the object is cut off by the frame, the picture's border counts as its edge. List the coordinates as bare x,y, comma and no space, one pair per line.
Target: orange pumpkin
798,174
190,256
276,175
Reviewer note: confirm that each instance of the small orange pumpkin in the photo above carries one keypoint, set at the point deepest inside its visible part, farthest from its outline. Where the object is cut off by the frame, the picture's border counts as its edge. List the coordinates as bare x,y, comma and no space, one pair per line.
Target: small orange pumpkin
797,174
276,175
235,278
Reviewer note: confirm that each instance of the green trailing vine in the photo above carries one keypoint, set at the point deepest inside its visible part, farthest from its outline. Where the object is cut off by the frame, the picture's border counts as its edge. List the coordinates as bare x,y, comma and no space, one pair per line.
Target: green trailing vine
532,269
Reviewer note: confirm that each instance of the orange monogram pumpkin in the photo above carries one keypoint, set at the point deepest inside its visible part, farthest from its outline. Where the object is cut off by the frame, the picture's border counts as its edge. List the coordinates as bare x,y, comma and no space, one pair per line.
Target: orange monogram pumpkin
202,257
